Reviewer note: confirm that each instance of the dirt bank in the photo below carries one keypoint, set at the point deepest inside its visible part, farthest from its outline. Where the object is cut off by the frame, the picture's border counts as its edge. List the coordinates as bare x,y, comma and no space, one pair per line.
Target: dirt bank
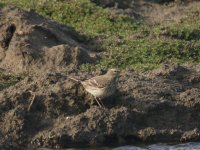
49,110
30,43
152,11
159,106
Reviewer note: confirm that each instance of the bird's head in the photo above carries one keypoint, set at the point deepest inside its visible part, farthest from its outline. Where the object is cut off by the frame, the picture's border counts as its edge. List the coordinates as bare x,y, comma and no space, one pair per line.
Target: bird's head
113,72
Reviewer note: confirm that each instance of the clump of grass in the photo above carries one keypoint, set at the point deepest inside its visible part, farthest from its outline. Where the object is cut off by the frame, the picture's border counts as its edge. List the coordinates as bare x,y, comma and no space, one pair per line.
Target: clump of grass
1,5
126,42
7,80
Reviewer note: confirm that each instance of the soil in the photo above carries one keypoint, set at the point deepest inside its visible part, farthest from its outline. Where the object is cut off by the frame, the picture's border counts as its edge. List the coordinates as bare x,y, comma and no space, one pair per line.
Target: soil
47,109
32,44
152,11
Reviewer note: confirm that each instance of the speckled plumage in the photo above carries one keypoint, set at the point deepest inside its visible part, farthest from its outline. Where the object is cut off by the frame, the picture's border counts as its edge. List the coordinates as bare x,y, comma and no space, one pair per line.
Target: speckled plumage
102,86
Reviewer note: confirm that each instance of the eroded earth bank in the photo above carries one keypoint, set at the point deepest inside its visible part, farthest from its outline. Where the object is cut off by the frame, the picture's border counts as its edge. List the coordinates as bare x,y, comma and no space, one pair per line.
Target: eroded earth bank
46,109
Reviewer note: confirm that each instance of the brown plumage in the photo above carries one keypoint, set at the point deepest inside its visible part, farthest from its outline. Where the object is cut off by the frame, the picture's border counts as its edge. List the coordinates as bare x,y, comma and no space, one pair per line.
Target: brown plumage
101,86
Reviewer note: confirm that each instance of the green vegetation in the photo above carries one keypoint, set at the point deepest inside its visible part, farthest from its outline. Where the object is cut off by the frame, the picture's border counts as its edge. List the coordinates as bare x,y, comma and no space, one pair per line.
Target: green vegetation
126,42
1,5
7,80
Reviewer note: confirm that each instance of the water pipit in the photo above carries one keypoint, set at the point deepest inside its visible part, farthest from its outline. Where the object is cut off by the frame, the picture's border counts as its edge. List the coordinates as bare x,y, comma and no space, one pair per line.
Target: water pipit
101,86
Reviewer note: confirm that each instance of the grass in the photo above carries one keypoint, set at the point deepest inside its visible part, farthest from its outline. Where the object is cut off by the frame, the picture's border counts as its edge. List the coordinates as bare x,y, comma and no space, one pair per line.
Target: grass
7,80
126,42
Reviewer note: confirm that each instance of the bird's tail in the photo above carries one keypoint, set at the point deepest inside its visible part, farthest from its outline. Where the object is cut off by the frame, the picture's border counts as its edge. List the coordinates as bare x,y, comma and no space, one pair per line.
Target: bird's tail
71,78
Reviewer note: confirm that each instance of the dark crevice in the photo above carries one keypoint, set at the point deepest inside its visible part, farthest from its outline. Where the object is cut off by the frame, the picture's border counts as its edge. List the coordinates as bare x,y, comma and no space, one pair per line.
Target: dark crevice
115,140
7,36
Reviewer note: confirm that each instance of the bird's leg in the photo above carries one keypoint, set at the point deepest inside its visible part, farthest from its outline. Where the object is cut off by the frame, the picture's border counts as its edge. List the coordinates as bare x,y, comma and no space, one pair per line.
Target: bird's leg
33,99
91,102
98,102
101,102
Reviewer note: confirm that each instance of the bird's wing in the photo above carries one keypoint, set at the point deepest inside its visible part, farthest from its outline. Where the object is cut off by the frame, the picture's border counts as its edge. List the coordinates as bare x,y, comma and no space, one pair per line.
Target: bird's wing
98,82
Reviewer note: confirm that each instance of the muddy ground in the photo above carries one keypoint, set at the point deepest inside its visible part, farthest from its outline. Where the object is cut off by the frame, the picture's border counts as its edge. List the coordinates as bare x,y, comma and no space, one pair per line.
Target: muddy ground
46,109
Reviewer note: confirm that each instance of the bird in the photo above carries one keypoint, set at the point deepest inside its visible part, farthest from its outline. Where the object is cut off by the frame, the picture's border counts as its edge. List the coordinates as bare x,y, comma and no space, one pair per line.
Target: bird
101,86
